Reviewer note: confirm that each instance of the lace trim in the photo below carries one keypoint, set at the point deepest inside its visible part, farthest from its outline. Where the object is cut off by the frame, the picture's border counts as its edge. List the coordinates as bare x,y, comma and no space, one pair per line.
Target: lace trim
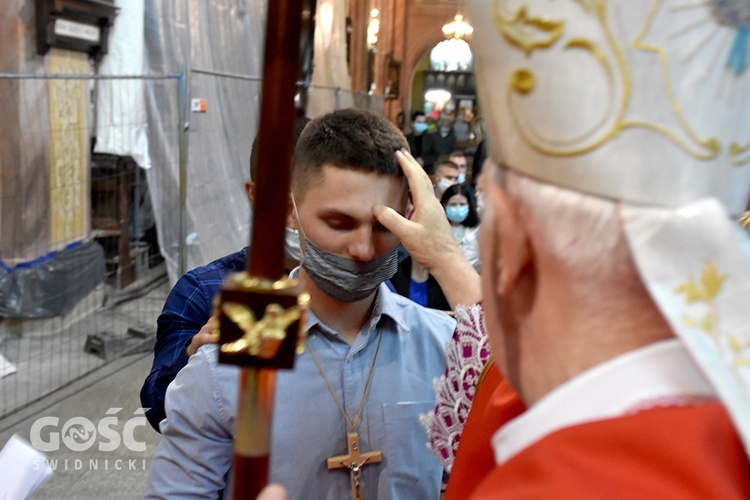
468,353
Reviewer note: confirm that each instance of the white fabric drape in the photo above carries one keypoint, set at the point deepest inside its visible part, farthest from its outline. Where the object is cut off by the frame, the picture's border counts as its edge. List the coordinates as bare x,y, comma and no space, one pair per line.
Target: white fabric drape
208,35
121,125
330,66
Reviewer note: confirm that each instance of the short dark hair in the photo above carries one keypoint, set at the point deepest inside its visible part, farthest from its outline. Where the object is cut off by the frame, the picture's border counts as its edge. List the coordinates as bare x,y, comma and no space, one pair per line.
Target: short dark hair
473,218
443,161
299,126
347,138
417,113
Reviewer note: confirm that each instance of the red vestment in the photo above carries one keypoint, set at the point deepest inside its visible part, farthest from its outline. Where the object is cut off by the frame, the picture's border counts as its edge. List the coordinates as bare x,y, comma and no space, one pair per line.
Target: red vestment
495,403
664,452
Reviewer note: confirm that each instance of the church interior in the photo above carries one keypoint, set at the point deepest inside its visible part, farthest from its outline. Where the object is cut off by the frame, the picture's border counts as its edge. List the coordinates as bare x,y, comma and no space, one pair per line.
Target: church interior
124,150
78,147
147,149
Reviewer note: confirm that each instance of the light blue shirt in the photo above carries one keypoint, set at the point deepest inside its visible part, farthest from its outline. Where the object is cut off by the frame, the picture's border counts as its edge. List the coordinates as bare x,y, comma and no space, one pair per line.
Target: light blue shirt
194,457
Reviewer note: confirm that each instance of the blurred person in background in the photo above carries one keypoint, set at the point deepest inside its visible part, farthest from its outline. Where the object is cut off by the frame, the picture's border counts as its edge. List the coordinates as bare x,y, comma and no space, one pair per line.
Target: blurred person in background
462,130
461,209
412,280
446,175
459,159
442,142
416,136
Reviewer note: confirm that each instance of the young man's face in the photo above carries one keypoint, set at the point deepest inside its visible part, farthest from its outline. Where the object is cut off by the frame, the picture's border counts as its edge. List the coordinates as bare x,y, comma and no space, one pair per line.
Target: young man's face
461,162
336,212
448,173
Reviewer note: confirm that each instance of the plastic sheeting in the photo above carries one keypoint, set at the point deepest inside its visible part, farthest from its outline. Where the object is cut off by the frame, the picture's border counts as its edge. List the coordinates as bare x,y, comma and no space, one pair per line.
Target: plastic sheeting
216,35
331,70
52,285
121,125
219,36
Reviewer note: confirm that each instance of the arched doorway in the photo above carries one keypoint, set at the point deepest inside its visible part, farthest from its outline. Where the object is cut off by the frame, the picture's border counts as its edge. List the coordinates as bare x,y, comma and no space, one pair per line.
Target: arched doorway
444,86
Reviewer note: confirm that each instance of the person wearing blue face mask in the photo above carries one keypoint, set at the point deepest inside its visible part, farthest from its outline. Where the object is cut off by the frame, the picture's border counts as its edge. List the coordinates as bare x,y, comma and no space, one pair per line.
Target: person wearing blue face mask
187,322
414,138
459,159
457,213
461,209
370,355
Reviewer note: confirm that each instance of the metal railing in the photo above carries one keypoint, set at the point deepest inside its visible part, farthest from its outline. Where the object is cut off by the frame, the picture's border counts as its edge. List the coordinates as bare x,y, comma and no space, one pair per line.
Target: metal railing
198,163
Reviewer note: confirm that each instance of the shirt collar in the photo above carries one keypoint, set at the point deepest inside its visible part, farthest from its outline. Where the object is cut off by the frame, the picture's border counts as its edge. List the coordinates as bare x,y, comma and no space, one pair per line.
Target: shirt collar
385,305
656,375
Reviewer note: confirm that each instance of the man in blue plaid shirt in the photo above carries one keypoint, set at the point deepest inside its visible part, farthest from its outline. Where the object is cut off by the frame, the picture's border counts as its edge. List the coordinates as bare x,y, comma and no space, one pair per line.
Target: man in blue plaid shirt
187,321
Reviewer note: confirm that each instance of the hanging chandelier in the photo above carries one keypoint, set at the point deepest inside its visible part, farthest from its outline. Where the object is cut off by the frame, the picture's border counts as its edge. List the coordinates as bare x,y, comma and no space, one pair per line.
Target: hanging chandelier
454,53
458,28
451,55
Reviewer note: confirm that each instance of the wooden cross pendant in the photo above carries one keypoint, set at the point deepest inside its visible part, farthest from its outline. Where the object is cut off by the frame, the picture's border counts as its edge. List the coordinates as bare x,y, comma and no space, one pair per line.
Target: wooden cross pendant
354,461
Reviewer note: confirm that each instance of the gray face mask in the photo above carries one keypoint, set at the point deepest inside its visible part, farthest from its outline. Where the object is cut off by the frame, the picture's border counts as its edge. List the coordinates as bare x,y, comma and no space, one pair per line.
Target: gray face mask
345,279
342,278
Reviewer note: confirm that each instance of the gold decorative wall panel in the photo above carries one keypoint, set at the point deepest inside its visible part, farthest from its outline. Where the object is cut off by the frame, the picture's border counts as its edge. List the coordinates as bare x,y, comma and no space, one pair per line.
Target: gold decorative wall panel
68,150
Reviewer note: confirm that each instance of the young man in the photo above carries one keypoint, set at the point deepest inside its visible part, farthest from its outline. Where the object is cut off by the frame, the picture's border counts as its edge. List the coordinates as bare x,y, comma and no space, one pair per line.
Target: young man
459,159
186,322
446,175
370,355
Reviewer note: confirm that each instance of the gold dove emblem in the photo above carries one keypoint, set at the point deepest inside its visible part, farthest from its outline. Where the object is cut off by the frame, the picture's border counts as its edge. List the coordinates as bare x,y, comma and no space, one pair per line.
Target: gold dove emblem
261,338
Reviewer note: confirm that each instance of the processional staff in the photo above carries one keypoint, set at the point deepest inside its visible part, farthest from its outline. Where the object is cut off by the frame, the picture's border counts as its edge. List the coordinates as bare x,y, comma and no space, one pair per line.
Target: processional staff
262,312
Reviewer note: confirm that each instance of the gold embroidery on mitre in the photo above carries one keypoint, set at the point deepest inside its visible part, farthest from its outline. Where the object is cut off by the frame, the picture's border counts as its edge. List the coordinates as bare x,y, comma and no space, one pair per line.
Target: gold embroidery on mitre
595,135
710,144
545,143
523,80
530,32
527,32
736,152
705,289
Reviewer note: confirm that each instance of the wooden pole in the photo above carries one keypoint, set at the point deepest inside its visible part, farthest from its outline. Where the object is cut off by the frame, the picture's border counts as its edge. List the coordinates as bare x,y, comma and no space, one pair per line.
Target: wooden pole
262,296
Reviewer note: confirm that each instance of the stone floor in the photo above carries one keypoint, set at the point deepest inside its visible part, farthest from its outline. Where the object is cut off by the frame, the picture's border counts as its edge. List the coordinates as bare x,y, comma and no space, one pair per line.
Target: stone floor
50,353
60,383
94,473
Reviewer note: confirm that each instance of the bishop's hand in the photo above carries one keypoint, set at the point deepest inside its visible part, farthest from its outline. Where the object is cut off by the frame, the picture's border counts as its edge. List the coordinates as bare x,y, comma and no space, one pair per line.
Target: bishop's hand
426,233
427,236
